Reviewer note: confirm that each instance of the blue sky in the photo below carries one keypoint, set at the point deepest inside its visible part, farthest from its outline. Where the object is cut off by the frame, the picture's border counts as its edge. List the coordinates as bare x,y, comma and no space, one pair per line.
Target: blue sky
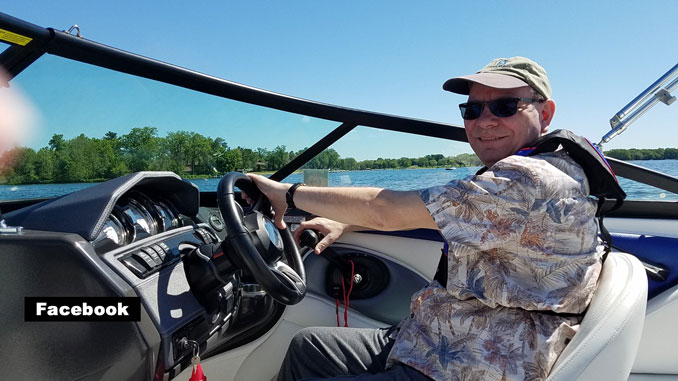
393,56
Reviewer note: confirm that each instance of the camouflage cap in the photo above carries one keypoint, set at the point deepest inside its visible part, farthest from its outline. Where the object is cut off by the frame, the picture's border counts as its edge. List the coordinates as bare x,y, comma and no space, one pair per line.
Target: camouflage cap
505,73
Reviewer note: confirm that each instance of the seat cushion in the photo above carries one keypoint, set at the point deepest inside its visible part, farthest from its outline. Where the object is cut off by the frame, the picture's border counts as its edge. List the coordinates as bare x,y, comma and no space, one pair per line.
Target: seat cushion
606,343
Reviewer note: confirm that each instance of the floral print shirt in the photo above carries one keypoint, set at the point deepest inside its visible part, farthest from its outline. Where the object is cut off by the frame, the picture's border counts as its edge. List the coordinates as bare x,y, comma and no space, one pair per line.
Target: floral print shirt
523,262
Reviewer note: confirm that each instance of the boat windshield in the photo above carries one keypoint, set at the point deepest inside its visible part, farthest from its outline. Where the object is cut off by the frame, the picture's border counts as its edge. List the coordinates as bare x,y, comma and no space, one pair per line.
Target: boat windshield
92,124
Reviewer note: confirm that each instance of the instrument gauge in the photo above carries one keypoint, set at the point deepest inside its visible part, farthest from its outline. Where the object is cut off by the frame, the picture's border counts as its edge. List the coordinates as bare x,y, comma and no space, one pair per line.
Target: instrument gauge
167,218
112,235
142,220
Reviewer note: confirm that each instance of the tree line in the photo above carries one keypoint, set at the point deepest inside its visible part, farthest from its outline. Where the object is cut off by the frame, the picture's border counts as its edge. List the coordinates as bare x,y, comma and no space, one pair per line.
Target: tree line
643,154
189,154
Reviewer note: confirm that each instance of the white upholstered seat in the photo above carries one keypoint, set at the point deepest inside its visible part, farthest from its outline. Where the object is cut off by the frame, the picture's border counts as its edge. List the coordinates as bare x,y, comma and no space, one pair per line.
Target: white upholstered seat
605,346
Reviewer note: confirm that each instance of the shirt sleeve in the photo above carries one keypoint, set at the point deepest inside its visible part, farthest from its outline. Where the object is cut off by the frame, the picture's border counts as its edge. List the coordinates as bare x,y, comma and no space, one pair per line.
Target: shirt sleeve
487,210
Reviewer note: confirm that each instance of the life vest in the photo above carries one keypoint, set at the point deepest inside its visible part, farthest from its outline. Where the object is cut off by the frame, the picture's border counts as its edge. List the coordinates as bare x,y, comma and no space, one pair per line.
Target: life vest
603,183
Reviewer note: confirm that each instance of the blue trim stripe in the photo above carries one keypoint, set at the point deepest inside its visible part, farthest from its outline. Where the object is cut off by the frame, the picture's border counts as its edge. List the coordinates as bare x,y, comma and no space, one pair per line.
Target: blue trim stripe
525,151
604,160
655,250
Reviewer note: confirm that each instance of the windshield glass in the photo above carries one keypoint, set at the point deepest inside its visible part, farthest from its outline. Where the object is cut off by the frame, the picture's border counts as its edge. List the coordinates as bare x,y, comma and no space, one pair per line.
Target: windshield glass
93,124
406,162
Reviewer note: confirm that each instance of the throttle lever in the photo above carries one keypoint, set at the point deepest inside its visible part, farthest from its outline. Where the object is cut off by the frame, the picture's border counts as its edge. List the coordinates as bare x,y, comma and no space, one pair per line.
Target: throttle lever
309,238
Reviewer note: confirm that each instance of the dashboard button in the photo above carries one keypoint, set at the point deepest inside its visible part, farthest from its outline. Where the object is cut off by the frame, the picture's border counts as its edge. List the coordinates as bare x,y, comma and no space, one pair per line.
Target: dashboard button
158,249
134,265
216,222
154,256
204,235
166,249
145,259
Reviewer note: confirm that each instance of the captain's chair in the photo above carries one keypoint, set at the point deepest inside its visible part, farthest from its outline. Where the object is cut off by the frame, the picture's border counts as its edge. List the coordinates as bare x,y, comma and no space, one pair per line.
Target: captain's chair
606,344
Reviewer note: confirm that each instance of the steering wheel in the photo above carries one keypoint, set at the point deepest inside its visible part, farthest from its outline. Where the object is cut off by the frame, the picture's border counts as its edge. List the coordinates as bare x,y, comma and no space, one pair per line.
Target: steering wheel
258,245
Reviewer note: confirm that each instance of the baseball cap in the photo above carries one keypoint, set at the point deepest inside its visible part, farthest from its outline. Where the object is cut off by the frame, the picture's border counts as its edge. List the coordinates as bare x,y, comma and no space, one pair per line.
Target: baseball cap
504,73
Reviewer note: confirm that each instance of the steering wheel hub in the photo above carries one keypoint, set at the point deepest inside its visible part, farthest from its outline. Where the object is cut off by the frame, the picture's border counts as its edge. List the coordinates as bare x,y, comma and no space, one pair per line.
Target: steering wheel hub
265,236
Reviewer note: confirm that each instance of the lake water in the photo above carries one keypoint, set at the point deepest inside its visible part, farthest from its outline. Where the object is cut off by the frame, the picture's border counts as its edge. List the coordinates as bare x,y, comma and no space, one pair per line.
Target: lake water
397,179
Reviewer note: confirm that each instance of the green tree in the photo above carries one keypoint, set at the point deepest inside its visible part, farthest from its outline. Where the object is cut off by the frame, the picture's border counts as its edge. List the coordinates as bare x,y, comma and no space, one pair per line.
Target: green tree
618,154
56,143
175,151
261,155
110,161
22,166
367,164
44,165
421,162
140,148
327,159
467,160
199,154
435,157
110,135
70,165
671,153
221,159
404,162
80,160
230,160
249,159
277,158
350,164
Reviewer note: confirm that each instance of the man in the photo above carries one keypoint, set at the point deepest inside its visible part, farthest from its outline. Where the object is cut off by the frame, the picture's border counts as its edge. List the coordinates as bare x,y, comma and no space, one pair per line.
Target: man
523,251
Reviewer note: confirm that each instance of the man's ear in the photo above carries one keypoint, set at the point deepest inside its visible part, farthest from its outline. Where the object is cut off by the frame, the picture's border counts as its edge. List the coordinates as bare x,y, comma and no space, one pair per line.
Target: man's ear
548,108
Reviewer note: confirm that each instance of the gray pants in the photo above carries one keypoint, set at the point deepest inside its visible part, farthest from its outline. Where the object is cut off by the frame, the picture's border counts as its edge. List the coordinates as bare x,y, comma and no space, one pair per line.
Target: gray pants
343,354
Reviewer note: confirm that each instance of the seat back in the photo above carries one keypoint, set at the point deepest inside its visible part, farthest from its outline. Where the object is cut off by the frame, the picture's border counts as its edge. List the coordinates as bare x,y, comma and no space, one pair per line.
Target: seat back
605,346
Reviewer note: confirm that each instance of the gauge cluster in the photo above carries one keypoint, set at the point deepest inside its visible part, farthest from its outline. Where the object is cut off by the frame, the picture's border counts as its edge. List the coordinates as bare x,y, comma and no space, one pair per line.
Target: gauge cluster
135,217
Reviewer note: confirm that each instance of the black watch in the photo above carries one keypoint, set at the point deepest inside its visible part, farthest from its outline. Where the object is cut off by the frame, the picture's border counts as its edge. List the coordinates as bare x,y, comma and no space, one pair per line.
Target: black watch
290,195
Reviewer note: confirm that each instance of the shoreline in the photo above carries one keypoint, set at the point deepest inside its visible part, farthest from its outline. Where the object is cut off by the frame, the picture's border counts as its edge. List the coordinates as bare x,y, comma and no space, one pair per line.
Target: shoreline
263,173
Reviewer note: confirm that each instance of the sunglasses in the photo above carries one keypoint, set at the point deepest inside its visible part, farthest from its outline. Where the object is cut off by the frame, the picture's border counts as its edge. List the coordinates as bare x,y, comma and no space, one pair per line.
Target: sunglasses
502,107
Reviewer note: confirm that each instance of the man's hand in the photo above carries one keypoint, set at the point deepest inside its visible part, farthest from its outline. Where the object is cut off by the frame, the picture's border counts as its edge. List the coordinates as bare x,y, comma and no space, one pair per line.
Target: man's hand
275,192
331,230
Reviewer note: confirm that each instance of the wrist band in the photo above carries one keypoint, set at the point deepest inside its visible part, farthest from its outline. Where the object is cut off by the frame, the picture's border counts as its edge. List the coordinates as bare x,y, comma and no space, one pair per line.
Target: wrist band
290,195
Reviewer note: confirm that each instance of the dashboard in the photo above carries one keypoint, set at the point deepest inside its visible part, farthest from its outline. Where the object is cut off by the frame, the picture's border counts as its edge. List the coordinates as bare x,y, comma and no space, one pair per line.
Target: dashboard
135,217
129,237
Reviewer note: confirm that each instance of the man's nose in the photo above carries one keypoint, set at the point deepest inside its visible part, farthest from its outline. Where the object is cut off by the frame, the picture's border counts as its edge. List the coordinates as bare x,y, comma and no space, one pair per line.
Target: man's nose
486,118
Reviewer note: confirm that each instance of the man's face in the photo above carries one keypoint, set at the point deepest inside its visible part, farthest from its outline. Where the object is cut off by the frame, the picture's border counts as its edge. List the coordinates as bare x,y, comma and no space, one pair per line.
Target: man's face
493,138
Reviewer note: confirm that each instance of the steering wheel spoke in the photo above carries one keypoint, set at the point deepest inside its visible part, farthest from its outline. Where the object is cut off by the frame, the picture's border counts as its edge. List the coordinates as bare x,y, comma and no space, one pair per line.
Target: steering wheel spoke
287,274
258,244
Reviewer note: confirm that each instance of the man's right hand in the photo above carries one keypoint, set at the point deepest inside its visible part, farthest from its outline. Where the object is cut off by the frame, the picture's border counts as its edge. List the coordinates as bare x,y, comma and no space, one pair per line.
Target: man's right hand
275,192
330,229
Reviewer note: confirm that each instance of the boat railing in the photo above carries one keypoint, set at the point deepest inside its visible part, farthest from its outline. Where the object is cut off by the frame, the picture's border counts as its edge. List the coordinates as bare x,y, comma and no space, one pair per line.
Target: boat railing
642,103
